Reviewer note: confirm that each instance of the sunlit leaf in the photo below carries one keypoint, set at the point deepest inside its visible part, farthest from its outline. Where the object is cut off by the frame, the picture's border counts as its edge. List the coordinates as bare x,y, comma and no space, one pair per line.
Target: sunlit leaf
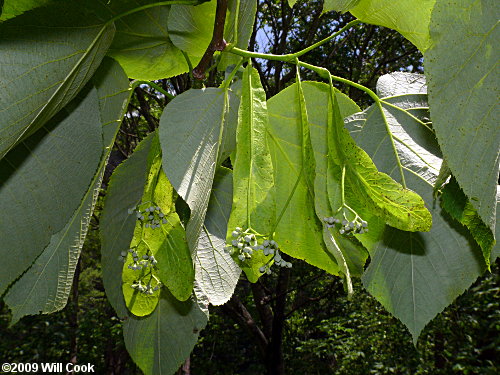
409,17
253,184
299,232
125,190
190,27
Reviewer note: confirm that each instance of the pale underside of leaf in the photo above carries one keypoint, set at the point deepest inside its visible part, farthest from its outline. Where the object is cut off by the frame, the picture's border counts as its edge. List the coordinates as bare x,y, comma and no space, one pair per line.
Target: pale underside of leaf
216,272
44,62
45,287
462,68
190,136
41,192
414,275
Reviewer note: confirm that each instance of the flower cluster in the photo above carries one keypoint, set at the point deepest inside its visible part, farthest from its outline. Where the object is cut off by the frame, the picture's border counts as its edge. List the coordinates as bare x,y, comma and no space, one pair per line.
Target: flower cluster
143,262
356,226
146,262
152,216
148,288
245,244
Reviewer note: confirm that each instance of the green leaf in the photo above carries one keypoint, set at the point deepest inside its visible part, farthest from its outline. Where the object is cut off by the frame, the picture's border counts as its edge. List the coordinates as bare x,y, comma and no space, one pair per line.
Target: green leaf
190,136
166,243
414,275
380,194
13,8
46,285
240,18
41,192
253,184
142,44
409,17
454,201
125,190
216,272
339,5
190,28
35,86
299,232
161,342
317,98
463,78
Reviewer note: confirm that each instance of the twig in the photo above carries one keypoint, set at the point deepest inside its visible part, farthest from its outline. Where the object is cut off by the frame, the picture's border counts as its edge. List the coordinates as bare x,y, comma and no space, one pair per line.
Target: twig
217,43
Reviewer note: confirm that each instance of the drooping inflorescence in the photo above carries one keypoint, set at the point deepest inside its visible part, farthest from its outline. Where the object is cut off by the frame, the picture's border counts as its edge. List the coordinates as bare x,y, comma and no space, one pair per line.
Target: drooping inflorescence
347,227
152,216
245,243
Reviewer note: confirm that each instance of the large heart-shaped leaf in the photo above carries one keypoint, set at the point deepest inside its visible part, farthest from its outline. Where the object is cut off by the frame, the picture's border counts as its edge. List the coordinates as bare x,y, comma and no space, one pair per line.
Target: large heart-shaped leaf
238,29
299,232
161,342
45,60
462,67
409,17
414,275
46,285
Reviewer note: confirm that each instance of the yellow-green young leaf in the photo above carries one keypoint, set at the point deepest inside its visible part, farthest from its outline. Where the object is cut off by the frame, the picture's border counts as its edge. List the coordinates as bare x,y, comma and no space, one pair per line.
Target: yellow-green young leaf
409,17
299,232
400,208
253,182
125,189
316,98
138,303
238,29
454,201
13,8
160,234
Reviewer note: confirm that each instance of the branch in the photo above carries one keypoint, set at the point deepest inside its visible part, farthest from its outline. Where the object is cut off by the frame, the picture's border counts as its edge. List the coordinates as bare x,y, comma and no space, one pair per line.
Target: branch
240,314
217,43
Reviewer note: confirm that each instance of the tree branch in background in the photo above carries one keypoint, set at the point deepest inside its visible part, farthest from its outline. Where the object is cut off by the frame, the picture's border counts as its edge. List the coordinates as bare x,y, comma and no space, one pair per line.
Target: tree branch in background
217,43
